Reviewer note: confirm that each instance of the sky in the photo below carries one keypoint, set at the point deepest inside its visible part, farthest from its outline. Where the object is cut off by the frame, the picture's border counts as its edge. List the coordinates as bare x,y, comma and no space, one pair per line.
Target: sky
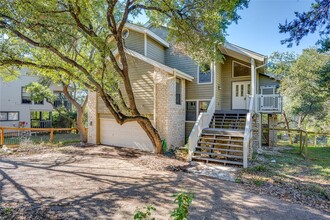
257,30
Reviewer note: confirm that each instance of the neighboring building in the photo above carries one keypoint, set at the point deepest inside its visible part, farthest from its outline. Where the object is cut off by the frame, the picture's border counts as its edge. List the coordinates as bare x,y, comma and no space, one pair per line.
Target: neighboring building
173,91
17,108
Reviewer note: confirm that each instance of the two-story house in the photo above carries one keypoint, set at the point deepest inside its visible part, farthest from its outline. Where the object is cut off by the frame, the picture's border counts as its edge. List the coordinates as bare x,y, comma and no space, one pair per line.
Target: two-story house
212,107
17,109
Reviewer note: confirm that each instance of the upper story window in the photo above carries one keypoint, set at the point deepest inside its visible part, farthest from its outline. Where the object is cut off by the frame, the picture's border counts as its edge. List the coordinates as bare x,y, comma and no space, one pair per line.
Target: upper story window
26,96
178,92
241,70
9,116
204,74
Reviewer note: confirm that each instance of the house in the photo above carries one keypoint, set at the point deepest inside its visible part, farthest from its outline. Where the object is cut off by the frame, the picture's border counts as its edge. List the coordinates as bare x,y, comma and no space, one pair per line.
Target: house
17,109
215,108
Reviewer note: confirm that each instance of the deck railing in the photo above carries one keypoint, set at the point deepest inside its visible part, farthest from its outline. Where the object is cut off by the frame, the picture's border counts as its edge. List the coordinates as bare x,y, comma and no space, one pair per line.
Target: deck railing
41,123
202,122
269,103
248,132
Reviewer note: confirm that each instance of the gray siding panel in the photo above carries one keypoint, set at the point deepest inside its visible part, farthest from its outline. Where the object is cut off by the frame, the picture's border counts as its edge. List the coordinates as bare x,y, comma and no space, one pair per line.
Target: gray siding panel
141,76
155,51
180,62
266,81
226,80
135,41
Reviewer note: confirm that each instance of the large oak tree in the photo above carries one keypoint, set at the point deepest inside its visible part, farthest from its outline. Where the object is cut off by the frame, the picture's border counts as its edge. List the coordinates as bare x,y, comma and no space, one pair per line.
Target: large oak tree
77,38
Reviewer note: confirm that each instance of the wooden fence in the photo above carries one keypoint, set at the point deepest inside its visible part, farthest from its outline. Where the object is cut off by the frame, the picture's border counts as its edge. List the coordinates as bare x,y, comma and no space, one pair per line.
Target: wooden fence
303,137
12,132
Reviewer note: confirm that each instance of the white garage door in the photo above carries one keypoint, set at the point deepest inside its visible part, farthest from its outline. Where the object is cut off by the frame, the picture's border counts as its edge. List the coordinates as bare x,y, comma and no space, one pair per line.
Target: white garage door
129,134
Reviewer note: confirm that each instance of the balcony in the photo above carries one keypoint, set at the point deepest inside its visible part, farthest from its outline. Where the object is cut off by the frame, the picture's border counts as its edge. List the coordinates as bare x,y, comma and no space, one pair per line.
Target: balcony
269,103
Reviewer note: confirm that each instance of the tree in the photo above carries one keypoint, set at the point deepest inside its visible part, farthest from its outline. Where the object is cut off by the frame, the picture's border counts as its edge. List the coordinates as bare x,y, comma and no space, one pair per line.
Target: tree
317,18
40,92
76,39
300,85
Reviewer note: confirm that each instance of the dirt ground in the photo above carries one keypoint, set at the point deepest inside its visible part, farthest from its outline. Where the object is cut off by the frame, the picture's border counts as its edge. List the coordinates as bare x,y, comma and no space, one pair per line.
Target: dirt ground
112,183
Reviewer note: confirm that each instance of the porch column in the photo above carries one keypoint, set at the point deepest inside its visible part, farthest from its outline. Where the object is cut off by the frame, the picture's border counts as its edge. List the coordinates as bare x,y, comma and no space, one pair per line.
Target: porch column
253,80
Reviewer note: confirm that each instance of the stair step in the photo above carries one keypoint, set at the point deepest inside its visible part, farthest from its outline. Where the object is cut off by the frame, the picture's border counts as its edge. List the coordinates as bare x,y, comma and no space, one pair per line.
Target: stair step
219,155
224,135
219,139
217,160
220,144
219,149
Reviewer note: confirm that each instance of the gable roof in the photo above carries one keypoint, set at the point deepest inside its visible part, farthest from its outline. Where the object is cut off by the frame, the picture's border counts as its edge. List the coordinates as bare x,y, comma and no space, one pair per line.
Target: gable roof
242,51
157,64
144,30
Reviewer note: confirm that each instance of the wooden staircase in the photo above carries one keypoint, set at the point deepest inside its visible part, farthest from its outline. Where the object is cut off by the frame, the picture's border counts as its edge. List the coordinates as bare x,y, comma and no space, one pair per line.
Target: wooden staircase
222,142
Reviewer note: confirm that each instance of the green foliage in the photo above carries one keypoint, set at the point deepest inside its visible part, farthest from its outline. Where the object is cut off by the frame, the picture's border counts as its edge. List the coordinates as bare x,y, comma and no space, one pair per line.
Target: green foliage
40,92
146,215
184,201
164,145
316,19
305,86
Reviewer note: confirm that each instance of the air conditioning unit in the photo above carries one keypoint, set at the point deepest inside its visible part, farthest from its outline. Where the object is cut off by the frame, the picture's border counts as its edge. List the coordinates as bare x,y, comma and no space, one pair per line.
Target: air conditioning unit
267,90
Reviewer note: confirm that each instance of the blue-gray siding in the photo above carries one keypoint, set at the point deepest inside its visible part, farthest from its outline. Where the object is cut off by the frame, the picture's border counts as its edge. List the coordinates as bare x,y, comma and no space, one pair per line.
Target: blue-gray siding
135,41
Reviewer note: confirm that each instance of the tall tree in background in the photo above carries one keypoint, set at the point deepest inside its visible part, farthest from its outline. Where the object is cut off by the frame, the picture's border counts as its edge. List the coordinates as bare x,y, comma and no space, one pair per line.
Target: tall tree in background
77,39
316,19
73,94
305,98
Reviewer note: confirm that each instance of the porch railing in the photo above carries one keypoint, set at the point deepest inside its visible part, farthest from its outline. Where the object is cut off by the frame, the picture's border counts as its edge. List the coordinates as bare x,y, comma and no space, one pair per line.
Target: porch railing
202,122
248,132
41,123
269,103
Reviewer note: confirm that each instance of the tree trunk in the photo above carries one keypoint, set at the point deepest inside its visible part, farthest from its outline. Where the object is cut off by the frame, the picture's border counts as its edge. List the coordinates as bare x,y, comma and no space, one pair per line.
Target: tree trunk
80,125
80,113
152,133
287,126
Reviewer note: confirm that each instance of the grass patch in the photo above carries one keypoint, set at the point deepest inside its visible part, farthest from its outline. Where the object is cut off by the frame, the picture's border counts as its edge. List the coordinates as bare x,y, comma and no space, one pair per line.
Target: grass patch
285,173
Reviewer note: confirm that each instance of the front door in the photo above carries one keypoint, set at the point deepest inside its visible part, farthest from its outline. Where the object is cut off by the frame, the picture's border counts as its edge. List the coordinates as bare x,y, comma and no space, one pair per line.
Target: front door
240,94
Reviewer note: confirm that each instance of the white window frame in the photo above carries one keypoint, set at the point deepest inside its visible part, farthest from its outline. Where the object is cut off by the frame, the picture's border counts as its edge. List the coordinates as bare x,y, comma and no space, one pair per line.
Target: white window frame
232,70
206,83
197,106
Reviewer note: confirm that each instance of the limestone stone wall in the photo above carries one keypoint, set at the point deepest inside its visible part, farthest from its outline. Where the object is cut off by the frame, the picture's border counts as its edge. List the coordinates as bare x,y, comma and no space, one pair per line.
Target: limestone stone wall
92,118
170,117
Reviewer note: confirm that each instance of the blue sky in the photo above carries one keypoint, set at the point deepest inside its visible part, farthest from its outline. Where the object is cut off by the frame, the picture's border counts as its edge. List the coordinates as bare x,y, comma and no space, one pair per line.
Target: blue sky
257,29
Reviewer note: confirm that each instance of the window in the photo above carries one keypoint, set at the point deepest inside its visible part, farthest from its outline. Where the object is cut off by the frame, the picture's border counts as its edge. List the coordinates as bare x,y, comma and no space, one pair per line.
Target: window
203,105
26,97
178,92
241,70
204,74
194,108
191,111
9,116
41,102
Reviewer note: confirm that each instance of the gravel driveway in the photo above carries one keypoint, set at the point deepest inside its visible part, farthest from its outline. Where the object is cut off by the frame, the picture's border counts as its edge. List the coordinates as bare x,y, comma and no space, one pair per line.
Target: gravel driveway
112,183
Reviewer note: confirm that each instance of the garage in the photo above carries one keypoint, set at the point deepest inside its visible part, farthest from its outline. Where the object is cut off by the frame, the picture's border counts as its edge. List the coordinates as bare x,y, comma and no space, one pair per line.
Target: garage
129,135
